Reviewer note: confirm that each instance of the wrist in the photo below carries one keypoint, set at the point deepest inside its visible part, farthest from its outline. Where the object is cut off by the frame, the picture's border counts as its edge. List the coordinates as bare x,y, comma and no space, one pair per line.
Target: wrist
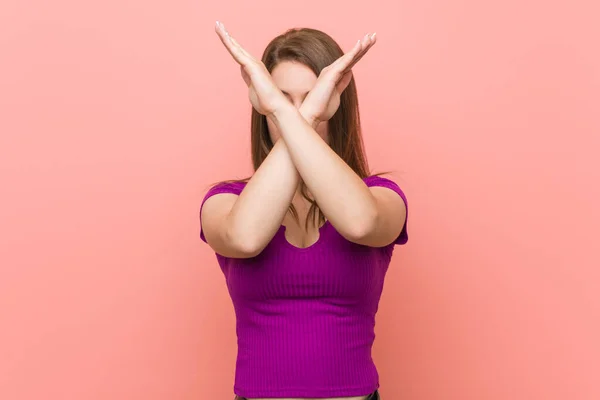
289,110
281,113
312,121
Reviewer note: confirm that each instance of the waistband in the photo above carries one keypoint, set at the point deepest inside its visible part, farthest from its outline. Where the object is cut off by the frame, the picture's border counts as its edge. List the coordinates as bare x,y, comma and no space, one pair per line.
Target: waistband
372,396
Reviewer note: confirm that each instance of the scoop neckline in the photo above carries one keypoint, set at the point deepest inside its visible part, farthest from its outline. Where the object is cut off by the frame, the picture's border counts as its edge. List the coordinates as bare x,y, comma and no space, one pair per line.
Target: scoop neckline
317,243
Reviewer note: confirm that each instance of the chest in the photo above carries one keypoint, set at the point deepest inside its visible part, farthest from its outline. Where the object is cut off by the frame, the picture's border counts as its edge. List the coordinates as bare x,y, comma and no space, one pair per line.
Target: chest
326,266
300,237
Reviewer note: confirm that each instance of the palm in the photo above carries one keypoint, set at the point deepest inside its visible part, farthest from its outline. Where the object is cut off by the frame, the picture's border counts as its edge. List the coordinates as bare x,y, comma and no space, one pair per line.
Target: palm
261,106
264,95
324,99
331,105
321,103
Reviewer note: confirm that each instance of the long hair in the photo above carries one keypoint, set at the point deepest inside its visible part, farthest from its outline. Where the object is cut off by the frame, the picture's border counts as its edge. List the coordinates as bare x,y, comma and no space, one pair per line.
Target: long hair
316,50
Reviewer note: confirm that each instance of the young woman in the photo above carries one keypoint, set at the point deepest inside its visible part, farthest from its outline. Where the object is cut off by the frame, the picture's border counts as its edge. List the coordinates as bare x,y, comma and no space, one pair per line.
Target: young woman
305,242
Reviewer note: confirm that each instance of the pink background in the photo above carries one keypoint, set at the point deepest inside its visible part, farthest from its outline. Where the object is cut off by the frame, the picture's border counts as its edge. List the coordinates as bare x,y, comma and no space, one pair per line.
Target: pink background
116,115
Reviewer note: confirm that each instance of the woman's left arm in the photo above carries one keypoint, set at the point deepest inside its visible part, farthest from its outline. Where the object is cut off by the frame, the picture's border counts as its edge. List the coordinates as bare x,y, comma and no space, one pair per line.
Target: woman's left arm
364,215
372,216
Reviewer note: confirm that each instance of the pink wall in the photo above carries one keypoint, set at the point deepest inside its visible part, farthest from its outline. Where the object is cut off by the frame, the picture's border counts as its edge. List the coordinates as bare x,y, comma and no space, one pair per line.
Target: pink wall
114,117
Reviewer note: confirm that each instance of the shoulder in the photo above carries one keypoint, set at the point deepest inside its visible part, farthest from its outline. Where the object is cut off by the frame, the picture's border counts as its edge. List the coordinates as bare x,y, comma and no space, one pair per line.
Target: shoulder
232,187
212,208
225,187
393,204
381,181
377,180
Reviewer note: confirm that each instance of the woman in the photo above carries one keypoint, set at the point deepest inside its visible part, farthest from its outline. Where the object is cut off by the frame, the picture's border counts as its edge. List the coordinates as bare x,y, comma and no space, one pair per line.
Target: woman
305,242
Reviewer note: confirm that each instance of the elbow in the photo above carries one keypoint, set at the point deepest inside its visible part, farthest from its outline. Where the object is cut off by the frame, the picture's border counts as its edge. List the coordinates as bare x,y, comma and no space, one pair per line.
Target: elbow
244,244
363,227
249,249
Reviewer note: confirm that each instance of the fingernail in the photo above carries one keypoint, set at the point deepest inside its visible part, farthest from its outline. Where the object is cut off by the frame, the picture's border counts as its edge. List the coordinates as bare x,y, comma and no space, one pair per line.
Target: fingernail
373,35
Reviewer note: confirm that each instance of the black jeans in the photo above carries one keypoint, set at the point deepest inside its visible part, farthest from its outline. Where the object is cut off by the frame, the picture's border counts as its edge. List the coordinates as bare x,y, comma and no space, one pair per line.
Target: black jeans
372,396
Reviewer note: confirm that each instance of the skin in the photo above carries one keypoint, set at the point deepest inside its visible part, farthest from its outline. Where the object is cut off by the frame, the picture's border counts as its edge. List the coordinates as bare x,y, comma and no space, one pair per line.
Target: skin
241,226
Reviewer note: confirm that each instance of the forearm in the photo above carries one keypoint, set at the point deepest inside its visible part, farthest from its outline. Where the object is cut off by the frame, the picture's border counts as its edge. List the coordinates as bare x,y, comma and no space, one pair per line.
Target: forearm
340,193
259,210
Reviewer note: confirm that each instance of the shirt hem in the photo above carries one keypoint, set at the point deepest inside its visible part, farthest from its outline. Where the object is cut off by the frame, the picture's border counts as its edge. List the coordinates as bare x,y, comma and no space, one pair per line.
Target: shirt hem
308,392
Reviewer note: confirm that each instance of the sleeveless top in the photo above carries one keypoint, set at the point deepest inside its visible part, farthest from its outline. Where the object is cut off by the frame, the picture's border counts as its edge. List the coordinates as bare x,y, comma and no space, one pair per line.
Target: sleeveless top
305,317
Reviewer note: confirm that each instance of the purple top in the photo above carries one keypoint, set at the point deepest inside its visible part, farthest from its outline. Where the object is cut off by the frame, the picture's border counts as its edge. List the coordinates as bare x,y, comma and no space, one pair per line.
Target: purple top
306,316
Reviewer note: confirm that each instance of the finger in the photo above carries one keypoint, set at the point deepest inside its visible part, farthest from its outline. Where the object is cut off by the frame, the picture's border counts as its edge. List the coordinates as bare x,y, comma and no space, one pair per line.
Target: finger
369,43
235,42
228,43
365,45
348,60
234,48
353,52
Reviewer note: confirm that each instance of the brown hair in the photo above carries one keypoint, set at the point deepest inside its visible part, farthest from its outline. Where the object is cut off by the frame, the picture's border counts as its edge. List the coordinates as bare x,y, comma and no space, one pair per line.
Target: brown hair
316,50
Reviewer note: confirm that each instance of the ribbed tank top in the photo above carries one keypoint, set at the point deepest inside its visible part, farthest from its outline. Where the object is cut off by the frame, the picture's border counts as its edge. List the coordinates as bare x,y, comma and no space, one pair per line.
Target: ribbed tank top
305,317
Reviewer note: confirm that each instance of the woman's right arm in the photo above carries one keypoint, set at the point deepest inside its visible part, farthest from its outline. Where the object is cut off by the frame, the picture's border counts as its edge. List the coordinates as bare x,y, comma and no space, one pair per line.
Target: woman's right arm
242,226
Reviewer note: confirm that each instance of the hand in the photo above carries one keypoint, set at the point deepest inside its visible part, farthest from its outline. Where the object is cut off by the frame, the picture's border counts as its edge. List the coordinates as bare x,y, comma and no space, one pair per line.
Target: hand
323,100
265,96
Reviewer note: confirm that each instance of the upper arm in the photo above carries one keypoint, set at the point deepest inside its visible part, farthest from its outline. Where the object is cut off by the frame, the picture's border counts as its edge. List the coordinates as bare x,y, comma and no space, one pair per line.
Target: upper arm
392,214
213,218
214,213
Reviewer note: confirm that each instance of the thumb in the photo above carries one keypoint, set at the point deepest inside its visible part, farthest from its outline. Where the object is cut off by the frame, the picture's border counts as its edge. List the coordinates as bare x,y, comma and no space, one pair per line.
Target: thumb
344,82
245,76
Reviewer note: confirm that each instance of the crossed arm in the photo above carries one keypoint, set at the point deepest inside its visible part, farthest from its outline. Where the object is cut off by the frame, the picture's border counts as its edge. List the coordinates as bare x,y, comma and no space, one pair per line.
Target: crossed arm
241,226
